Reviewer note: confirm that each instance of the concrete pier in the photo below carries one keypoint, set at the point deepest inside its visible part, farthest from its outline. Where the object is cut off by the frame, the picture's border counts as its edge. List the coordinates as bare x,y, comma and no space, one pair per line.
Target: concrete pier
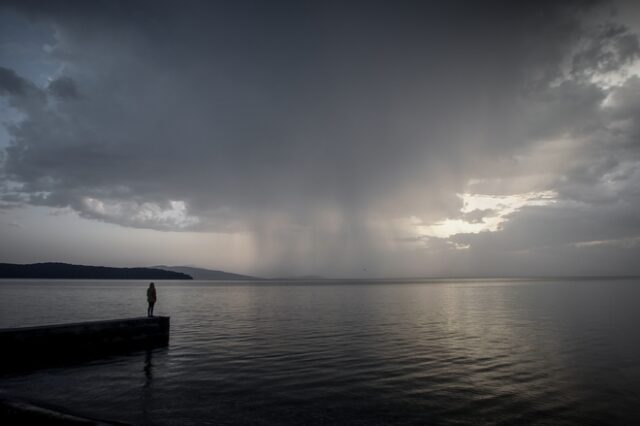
31,347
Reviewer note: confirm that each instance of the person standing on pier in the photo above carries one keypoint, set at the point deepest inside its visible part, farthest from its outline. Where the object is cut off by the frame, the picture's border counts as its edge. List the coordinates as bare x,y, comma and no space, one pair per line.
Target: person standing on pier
151,298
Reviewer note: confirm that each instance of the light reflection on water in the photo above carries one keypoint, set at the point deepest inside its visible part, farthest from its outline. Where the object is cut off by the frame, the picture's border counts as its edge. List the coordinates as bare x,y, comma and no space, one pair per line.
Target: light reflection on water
449,352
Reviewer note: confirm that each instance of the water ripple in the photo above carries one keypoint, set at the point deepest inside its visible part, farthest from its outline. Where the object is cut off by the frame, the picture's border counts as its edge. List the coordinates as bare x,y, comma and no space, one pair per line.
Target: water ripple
447,353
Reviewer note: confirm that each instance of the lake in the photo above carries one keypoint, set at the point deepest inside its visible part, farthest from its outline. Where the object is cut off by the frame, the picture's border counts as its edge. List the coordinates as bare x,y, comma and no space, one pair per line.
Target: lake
447,352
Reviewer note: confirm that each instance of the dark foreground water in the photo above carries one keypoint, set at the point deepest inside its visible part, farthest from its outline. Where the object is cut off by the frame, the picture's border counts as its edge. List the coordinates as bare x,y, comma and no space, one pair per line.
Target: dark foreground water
440,353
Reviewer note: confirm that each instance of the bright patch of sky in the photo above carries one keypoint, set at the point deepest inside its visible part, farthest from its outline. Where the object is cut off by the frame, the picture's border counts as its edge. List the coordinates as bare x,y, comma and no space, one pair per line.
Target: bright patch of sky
616,78
493,212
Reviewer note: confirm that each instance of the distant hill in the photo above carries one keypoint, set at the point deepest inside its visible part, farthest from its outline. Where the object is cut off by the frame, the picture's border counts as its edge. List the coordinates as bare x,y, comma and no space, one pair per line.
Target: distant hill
68,271
207,274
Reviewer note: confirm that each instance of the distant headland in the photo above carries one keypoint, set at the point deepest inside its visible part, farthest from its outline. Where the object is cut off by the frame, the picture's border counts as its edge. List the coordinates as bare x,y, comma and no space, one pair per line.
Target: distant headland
207,274
54,270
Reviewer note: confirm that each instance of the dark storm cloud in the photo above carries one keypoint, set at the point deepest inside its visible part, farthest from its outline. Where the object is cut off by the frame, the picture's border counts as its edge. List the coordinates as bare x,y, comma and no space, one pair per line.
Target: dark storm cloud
541,228
63,87
567,238
11,83
310,124
478,215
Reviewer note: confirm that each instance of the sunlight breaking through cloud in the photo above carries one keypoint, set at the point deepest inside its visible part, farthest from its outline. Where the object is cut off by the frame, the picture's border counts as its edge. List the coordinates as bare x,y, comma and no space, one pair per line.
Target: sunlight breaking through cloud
481,213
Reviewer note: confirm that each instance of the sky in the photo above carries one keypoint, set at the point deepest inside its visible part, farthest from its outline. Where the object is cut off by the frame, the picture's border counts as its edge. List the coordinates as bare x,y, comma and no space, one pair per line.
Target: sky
342,139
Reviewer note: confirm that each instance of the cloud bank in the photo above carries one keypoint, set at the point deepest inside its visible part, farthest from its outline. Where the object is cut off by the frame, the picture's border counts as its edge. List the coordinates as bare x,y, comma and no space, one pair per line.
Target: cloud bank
338,136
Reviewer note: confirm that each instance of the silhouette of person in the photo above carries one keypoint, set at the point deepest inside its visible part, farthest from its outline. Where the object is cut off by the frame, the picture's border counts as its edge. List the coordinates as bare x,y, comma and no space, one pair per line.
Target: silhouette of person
151,298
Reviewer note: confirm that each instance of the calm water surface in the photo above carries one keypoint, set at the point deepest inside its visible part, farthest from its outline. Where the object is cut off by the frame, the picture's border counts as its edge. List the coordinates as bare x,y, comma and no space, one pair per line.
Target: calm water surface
467,352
